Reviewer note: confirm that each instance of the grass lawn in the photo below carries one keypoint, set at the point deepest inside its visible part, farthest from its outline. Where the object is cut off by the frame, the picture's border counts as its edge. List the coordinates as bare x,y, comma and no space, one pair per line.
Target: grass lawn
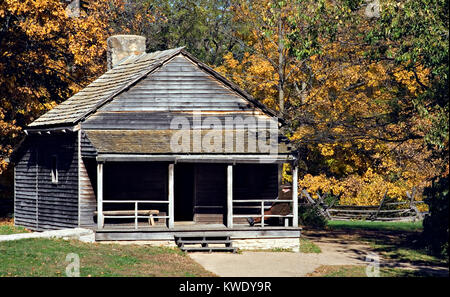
307,246
47,257
7,227
369,225
360,271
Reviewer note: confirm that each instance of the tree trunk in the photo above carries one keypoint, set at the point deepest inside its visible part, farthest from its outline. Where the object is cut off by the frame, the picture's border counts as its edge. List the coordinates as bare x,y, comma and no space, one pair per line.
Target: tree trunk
281,61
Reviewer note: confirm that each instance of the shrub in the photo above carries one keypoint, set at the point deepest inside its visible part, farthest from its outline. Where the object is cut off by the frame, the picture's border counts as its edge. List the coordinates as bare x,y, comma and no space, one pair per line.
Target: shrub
309,215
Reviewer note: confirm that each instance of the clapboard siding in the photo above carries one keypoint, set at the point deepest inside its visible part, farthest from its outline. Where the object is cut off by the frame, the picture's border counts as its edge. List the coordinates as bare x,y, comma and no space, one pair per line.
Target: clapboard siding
88,201
145,97
178,88
25,209
40,203
58,203
161,120
120,113
87,149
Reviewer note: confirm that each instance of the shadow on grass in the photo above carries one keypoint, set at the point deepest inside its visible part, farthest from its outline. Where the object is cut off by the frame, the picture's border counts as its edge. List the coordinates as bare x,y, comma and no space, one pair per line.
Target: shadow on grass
399,249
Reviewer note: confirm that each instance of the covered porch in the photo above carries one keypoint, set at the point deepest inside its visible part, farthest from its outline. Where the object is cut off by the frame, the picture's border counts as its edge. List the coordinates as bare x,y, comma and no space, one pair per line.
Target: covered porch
192,194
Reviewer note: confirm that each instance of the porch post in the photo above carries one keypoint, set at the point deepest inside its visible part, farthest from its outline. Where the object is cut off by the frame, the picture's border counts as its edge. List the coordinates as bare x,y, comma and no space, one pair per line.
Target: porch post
230,196
100,195
295,194
171,195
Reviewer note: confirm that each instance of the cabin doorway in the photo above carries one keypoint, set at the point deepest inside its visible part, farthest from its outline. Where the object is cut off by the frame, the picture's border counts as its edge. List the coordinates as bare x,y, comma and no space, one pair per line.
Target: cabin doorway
210,193
184,181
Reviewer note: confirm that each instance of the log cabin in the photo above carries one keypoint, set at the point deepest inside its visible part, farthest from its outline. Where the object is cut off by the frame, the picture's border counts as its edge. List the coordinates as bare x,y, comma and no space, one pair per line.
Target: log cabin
159,146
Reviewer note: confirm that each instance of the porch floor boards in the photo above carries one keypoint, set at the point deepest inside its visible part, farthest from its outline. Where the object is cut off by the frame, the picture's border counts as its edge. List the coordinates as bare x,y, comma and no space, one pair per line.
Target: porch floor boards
144,227
146,232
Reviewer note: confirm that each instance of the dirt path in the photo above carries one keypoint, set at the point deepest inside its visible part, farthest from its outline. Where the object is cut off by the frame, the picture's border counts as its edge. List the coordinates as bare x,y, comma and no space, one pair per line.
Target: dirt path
283,264
338,239
338,248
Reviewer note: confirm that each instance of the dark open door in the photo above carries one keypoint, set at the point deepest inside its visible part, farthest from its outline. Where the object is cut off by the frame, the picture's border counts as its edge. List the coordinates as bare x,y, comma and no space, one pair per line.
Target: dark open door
210,193
184,192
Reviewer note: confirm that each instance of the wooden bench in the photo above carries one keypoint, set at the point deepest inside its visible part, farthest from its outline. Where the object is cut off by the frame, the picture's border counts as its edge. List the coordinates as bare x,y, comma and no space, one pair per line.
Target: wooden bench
150,213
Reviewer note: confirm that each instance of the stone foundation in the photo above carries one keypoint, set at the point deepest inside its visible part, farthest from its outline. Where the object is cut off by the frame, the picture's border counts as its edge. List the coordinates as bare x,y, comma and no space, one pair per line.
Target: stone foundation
292,244
268,244
161,243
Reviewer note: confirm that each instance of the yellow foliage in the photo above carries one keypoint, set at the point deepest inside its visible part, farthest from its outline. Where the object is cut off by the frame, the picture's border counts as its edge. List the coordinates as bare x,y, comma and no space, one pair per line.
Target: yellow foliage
50,43
351,160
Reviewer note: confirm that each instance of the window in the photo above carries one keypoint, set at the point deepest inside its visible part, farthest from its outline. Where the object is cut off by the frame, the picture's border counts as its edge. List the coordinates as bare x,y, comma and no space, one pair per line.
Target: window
54,171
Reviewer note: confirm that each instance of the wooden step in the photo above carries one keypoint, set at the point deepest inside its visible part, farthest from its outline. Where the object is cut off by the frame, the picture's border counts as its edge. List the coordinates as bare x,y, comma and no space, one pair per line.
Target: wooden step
202,239
208,249
223,237
204,243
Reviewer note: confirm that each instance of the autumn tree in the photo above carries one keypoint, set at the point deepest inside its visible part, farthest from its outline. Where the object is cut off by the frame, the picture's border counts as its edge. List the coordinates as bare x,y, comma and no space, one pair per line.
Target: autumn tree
415,34
364,98
48,53
34,70
350,114
269,66
360,124
204,27
357,129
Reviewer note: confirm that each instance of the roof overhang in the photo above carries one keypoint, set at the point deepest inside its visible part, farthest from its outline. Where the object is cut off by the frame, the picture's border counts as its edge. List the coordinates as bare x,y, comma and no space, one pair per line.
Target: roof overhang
201,158
50,130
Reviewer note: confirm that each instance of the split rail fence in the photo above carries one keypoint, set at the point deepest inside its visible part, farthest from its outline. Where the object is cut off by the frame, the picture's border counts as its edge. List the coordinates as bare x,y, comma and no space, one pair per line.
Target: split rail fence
385,211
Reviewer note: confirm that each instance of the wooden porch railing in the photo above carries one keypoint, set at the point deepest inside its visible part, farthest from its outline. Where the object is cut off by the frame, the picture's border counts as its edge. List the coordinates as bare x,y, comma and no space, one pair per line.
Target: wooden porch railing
136,209
262,208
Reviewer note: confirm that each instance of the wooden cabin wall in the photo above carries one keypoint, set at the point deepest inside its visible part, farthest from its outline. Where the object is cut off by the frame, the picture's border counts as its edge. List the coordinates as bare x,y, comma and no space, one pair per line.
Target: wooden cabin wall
177,86
41,204
88,186
25,187
87,149
88,181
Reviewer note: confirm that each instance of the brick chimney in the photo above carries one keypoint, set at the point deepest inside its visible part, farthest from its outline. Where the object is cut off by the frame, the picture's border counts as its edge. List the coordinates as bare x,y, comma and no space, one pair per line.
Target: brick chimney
122,46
